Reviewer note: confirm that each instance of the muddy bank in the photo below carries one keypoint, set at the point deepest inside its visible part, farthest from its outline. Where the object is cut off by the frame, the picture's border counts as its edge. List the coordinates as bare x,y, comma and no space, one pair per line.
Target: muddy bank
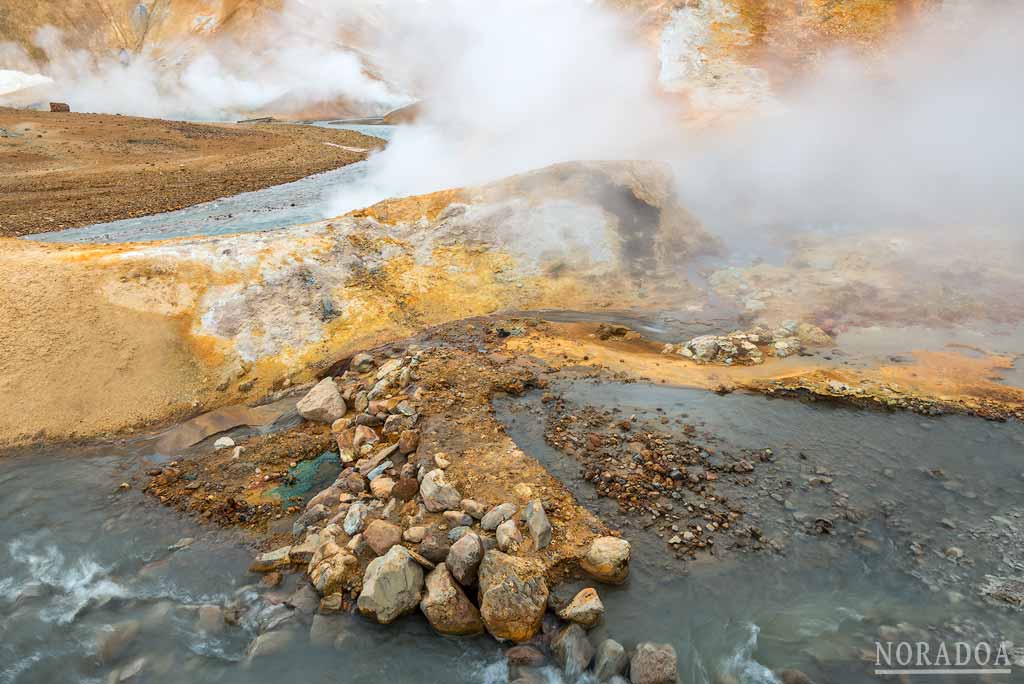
66,170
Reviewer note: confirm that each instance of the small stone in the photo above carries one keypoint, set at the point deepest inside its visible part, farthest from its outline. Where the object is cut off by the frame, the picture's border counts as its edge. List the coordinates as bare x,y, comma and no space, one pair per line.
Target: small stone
610,661
223,443
456,533
326,629
415,534
442,460
573,651
406,489
525,656
355,519
474,508
408,442
362,363
537,523
497,515
508,535
381,536
585,609
607,560
115,642
435,546
364,435
438,495
381,487
272,560
457,518
464,559
654,664
269,643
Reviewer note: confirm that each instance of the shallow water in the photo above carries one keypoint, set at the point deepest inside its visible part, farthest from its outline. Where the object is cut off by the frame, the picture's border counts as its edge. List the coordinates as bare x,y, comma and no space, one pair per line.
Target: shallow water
81,557
824,598
273,208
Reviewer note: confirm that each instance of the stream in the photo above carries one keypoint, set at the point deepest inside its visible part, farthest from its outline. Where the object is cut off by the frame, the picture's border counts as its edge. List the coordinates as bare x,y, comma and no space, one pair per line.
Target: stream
273,208
91,590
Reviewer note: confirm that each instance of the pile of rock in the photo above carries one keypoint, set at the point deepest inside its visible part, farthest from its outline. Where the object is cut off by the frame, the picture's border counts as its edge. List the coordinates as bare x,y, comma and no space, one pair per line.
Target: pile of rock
393,534
749,347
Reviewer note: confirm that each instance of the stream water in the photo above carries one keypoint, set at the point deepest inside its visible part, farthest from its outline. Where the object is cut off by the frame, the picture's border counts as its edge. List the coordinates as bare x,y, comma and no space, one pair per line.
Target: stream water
273,208
84,560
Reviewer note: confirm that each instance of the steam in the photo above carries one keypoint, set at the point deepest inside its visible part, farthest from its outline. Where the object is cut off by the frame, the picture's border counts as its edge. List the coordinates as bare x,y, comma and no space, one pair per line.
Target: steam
288,65
510,87
927,135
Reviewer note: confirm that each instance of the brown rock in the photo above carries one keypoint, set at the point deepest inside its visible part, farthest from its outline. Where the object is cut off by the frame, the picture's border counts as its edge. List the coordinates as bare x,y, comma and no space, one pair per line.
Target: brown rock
381,536
446,606
513,596
405,489
408,442
607,560
585,609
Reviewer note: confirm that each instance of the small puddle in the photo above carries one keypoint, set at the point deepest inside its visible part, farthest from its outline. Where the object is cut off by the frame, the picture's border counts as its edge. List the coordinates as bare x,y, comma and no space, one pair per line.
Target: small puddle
311,475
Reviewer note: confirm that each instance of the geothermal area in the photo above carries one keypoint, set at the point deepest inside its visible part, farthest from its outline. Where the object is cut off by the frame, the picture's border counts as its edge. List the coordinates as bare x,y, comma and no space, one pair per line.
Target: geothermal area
531,341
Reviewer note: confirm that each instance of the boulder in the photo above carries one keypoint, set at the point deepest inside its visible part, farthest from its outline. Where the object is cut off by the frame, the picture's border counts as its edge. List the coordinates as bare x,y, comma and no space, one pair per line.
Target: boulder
513,596
496,516
464,558
392,586
610,660
525,655
585,609
333,570
438,495
381,535
323,403
446,607
572,651
654,664
607,560
537,523
508,535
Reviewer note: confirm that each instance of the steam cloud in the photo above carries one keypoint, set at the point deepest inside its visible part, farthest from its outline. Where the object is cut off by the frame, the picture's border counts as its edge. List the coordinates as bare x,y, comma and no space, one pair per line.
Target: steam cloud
291,63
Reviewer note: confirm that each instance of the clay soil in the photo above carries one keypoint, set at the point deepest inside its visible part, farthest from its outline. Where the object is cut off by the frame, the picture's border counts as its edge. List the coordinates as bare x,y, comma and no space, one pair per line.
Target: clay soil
61,171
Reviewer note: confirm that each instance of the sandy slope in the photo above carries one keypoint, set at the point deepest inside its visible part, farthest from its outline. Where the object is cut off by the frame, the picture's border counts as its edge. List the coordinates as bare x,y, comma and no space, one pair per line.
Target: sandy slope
65,170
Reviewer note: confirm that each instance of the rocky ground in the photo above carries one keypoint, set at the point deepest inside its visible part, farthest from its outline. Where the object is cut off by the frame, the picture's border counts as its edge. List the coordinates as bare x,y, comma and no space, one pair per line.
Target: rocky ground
63,170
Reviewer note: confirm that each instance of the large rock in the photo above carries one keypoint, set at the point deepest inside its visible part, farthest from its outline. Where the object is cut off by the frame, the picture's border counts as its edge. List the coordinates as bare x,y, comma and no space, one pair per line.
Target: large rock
464,558
654,664
537,523
573,651
392,586
333,570
611,660
585,609
382,535
438,495
447,608
323,403
607,560
513,596
355,519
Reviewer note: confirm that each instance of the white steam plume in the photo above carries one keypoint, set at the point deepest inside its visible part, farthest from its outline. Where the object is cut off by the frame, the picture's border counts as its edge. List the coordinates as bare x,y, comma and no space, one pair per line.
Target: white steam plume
289,64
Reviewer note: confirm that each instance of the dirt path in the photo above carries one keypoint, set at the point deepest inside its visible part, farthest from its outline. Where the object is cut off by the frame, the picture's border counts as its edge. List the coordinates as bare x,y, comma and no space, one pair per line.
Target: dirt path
61,171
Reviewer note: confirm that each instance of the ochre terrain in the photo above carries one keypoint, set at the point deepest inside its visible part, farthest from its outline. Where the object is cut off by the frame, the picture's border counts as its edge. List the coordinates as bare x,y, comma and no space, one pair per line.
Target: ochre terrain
61,170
